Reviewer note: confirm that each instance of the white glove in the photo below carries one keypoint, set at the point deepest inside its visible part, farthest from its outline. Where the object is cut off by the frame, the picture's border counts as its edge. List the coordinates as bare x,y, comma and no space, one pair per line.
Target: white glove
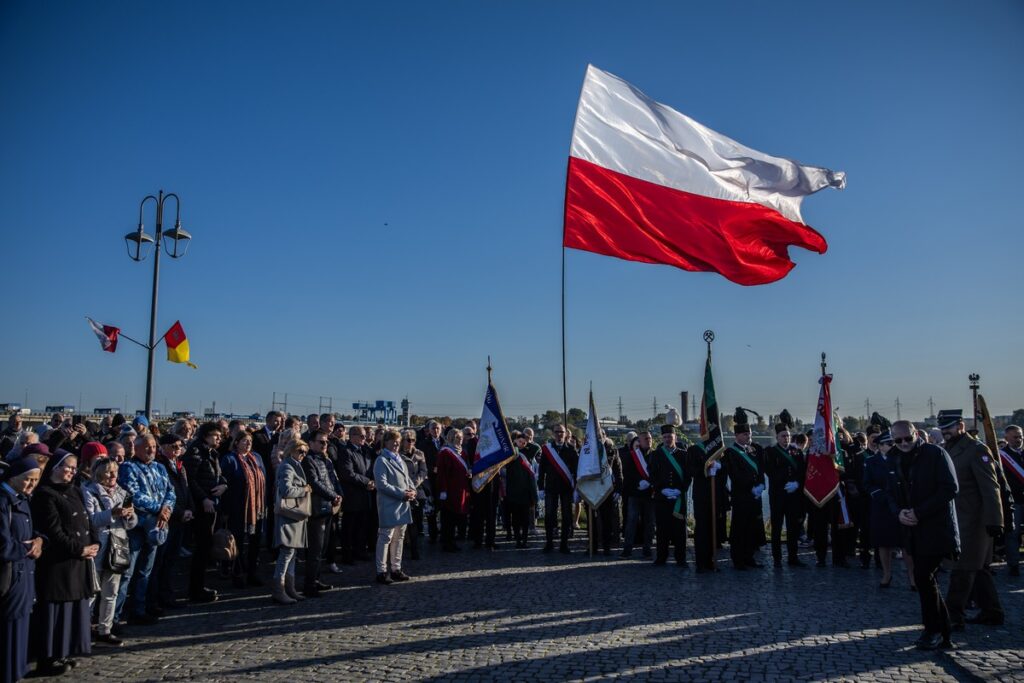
616,497
791,486
444,495
644,485
715,467
757,490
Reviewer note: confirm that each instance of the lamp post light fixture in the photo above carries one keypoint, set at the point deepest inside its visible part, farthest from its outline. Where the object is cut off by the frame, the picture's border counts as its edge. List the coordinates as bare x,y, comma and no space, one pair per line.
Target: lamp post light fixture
175,241
974,378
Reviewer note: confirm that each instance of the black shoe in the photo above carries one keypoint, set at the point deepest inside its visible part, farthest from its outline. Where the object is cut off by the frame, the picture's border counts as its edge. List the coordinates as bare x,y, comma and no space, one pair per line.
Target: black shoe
450,548
384,579
47,669
549,547
142,619
155,611
777,563
322,587
819,563
885,584
626,554
796,562
205,595
843,564
931,641
116,629
311,592
946,644
399,575
985,620
108,639
564,549
253,580
740,567
660,561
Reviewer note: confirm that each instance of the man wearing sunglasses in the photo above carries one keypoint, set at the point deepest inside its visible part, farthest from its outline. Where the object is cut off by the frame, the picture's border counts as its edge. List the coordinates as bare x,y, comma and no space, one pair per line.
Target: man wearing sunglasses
928,513
979,514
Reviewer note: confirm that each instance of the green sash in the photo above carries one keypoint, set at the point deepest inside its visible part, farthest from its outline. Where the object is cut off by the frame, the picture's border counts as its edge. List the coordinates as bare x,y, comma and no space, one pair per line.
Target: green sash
677,511
788,457
753,465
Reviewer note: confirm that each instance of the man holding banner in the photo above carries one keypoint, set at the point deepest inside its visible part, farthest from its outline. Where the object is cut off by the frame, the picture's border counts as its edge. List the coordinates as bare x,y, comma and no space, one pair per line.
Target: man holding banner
558,480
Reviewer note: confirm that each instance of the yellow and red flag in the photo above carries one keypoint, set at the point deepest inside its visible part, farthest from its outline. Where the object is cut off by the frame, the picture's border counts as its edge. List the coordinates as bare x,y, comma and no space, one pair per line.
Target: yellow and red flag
177,345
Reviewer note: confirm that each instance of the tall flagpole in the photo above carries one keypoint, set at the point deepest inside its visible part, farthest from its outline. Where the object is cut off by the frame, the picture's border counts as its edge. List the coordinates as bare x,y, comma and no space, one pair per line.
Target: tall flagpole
565,206
709,336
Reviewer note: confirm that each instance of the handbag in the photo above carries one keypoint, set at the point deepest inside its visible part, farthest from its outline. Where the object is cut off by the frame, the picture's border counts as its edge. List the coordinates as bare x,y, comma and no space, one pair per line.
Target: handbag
94,578
223,547
119,555
296,509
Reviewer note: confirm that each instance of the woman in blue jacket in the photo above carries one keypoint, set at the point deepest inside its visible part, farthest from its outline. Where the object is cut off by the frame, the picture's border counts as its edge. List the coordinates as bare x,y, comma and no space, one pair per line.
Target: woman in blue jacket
245,507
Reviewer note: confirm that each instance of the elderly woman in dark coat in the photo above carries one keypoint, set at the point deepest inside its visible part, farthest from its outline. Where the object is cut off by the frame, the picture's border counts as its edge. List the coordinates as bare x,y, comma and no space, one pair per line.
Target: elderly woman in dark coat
60,622
20,547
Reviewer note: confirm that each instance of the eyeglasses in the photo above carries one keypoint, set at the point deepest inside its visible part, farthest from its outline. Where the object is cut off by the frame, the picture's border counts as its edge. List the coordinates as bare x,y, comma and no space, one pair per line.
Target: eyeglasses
904,439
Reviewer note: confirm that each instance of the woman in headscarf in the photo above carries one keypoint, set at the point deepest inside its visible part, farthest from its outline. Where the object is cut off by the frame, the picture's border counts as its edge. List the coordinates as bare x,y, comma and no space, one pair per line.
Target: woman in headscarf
64,583
20,547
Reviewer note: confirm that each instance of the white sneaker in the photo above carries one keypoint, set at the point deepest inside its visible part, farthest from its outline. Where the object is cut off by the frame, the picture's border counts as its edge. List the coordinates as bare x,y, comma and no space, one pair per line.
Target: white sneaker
334,568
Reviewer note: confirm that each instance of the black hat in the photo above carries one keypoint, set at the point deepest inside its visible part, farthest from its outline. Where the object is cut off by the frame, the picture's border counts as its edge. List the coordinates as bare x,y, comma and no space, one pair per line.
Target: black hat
880,421
885,437
166,439
741,428
786,419
949,418
668,429
781,427
20,466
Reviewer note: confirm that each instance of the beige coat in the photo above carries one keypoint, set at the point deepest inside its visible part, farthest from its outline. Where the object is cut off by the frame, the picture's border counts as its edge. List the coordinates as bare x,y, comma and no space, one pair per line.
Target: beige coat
978,503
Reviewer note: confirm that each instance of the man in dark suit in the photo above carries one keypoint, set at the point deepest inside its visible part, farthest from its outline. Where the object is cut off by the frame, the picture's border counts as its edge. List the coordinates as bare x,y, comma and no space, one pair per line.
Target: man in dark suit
429,441
355,470
263,442
927,511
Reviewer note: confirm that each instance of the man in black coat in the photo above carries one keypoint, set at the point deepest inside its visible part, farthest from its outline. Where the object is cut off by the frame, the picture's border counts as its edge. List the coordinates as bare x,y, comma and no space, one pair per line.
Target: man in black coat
160,592
928,512
429,441
558,485
263,442
785,468
355,470
670,482
743,463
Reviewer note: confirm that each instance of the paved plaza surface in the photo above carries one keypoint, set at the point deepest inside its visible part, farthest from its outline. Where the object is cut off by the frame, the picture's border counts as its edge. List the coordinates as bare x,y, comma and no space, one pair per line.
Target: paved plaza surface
521,615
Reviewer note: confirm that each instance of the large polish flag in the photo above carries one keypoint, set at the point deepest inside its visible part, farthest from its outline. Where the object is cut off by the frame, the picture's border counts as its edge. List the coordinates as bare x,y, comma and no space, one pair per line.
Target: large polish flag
649,184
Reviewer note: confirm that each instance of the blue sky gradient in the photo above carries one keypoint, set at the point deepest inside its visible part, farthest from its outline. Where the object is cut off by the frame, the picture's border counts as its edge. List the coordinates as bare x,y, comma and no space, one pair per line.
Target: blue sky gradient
375,193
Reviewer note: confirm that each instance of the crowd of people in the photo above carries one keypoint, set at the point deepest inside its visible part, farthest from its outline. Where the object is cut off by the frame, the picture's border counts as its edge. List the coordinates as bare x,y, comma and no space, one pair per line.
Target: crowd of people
95,519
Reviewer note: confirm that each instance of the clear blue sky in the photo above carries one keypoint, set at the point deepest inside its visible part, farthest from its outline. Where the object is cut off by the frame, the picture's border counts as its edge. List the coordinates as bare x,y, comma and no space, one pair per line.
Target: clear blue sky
375,193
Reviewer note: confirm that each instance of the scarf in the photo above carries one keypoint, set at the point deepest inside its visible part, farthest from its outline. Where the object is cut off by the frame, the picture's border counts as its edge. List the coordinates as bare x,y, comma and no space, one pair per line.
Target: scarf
255,486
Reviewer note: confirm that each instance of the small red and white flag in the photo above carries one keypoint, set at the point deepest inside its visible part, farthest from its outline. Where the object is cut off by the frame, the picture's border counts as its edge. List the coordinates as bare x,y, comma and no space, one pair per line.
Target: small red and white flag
106,334
648,184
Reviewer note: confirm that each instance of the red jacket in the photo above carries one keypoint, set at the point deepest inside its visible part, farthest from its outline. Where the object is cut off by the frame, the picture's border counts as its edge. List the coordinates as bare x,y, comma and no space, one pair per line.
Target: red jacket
452,479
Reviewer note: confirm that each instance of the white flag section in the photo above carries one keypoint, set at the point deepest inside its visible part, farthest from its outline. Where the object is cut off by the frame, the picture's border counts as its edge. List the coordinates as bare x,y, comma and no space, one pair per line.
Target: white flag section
593,474
495,448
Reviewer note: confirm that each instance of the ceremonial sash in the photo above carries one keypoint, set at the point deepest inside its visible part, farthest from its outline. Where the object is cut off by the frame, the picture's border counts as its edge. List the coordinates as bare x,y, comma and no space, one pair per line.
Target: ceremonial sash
844,512
788,457
551,453
1012,465
677,511
526,464
641,464
746,457
458,458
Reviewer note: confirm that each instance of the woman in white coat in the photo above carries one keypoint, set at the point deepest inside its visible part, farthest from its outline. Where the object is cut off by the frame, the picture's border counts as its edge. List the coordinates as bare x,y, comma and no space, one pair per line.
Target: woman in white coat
395,493
289,534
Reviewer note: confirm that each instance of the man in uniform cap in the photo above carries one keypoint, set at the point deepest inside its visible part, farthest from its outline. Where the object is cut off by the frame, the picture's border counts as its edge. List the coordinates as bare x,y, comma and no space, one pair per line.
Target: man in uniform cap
744,466
979,514
785,468
670,482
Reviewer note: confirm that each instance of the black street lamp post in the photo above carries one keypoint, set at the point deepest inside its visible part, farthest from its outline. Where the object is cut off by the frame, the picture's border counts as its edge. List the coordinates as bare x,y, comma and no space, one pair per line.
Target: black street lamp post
138,243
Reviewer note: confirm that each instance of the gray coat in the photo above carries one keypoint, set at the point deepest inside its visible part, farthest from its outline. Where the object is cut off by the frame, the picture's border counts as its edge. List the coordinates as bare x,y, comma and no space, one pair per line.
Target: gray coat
392,479
290,482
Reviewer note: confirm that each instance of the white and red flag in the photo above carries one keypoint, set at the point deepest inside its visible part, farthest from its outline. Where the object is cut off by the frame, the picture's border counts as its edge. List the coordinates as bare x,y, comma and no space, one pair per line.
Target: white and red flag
647,183
107,335
821,481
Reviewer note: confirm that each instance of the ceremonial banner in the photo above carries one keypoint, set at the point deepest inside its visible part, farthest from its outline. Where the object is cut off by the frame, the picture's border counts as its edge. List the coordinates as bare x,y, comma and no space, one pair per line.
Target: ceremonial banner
495,448
646,183
106,334
822,479
593,474
710,421
177,345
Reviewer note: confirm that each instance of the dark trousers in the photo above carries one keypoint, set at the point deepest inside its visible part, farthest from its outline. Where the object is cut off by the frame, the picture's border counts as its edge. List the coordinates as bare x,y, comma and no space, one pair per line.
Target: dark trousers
822,525
160,588
483,515
432,525
933,609
786,507
605,520
506,519
641,514
670,530
743,532
353,535
248,548
449,524
721,512
703,551
331,543
316,536
413,531
202,539
964,585
553,503
520,515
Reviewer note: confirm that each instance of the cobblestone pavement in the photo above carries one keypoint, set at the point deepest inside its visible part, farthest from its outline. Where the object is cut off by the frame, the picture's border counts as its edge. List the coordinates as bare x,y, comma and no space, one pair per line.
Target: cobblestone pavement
522,615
